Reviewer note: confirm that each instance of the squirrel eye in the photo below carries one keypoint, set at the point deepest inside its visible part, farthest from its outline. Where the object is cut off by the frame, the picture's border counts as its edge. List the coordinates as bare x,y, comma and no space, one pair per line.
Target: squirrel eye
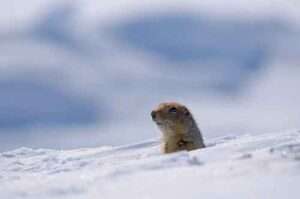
173,110
187,113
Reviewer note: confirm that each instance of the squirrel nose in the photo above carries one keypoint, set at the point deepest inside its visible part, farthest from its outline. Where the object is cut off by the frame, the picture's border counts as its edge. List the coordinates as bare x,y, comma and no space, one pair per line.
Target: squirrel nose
153,115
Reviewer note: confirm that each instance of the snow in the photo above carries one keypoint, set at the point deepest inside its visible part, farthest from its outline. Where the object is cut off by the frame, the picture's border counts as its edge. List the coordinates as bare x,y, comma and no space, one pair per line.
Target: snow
246,166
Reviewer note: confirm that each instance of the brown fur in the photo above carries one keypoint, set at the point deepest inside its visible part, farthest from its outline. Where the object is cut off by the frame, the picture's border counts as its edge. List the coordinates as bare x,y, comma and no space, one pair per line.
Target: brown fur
178,127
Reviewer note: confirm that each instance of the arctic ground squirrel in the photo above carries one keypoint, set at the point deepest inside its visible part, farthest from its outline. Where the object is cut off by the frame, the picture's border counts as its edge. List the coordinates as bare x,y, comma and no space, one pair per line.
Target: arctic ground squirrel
179,129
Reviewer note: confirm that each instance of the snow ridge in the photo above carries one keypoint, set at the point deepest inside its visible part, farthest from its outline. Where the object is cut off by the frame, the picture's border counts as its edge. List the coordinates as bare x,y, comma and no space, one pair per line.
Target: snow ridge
261,166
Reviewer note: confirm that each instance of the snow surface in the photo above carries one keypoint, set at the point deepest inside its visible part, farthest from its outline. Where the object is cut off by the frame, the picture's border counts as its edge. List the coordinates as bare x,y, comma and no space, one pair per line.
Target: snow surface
247,166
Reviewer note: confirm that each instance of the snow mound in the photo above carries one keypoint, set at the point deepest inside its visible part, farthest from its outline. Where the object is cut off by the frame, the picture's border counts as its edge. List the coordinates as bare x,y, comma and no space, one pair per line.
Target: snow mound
248,166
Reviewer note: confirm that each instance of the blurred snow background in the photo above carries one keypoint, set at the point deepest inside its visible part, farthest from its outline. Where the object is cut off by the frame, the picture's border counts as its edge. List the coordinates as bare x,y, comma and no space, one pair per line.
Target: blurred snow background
77,73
